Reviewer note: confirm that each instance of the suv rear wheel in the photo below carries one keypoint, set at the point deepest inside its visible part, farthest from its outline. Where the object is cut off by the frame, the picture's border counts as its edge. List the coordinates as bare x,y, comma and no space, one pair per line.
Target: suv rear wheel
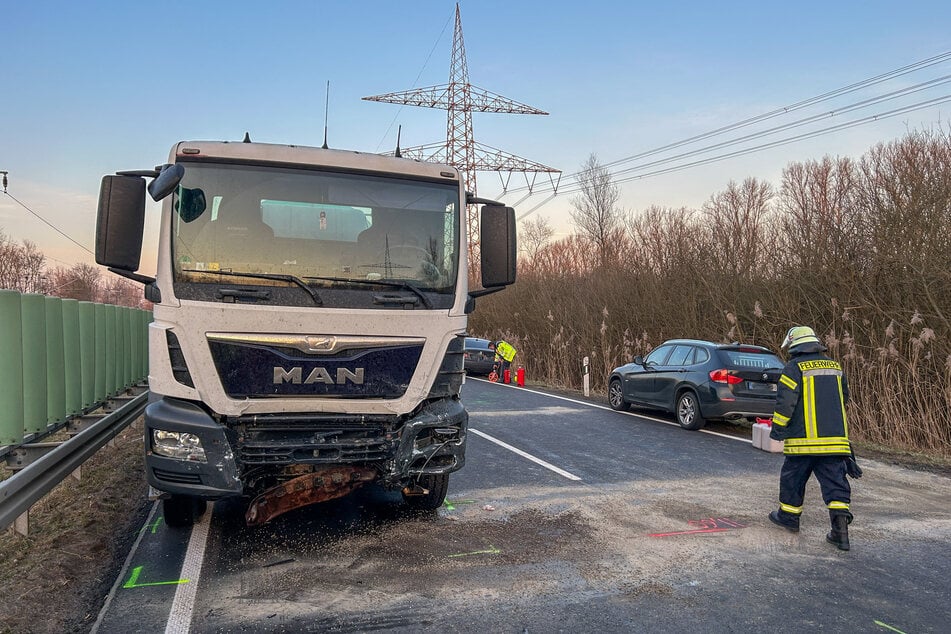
687,411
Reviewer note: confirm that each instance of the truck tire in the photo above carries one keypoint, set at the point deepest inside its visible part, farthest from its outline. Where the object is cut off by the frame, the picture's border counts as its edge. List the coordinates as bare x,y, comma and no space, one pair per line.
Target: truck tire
182,510
437,485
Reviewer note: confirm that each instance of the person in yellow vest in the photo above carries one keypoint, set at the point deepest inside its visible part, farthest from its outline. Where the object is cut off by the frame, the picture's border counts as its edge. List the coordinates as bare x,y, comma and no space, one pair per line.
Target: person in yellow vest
504,355
810,418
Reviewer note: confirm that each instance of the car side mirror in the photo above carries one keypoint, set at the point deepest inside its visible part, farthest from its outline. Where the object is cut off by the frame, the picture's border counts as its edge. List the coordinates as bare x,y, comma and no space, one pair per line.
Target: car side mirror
639,360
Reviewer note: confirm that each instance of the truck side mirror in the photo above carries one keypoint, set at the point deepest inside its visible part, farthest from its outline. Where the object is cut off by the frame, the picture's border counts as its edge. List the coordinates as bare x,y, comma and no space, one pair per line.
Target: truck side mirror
120,222
498,245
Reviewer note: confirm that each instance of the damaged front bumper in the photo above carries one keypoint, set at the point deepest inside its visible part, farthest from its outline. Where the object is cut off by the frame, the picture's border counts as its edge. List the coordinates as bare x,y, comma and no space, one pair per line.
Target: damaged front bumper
429,442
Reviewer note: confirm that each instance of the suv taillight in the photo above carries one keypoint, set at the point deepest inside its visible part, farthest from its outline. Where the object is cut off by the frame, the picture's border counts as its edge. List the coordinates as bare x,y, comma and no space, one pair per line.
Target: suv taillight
723,376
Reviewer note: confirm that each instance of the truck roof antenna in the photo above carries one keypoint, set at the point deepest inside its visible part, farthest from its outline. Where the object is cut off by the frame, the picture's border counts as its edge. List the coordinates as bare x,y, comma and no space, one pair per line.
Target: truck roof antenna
326,110
397,153
247,138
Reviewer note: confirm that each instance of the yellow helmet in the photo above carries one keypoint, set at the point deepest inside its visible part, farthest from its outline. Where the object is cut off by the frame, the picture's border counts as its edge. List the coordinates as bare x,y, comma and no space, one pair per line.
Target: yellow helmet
799,334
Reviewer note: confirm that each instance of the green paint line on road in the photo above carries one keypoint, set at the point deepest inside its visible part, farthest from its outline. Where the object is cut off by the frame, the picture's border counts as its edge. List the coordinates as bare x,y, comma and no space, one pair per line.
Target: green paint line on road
155,524
888,627
133,581
450,504
491,551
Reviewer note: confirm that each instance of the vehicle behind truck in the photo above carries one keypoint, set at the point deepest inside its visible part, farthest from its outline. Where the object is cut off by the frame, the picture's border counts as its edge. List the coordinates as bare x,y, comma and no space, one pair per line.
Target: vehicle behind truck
310,311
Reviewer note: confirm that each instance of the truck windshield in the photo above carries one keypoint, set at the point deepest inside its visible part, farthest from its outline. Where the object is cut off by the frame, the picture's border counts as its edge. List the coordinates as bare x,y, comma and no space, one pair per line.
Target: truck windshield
323,227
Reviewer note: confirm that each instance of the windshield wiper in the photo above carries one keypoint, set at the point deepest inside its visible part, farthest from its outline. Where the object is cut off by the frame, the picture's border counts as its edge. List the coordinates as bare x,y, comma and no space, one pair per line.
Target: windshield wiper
282,277
405,285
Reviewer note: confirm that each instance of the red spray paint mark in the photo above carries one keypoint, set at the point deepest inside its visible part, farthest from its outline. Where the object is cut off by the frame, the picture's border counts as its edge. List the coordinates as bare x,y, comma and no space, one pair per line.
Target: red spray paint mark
709,525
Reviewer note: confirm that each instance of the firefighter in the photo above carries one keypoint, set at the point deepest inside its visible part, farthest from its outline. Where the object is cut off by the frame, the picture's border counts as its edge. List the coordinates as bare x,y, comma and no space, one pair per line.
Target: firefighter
810,419
504,355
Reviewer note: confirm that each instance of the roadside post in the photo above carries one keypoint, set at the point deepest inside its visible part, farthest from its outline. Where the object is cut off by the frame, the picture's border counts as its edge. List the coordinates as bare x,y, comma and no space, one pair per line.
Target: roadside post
585,377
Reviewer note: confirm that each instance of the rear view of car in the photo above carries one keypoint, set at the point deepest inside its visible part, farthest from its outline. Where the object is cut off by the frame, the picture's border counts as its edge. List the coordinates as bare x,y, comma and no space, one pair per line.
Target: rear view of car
478,358
699,380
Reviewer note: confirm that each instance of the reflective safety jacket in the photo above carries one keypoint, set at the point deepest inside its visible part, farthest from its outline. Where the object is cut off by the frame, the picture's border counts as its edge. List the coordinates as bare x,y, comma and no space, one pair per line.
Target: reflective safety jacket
505,351
810,405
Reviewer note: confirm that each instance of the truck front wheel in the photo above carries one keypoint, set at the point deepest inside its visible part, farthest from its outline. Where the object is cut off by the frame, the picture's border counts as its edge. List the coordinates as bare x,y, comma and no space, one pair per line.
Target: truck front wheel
182,510
436,486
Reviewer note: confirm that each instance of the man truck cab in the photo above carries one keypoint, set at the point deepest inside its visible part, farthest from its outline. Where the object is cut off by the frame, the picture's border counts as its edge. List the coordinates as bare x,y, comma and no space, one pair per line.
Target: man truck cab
310,310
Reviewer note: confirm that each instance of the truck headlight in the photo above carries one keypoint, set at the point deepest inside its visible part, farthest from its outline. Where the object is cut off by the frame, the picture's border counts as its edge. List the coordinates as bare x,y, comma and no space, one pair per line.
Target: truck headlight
176,444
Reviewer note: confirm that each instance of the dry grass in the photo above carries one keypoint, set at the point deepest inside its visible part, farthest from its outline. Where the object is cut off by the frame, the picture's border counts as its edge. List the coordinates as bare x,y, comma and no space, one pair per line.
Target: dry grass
55,579
859,250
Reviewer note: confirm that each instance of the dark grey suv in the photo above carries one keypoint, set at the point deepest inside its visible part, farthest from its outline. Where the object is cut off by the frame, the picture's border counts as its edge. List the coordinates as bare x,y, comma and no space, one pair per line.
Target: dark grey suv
698,381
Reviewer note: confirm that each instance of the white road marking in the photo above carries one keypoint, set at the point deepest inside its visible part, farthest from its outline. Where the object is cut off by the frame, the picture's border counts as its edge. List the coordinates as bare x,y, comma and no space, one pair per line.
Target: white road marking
528,456
122,573
183,605
635,415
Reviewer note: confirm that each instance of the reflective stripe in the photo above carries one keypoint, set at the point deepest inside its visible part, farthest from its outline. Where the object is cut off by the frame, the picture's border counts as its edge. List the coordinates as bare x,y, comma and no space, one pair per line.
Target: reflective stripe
809,406
789,508
839,505
779,419
845,424
822,373
785,380
819,442
820,450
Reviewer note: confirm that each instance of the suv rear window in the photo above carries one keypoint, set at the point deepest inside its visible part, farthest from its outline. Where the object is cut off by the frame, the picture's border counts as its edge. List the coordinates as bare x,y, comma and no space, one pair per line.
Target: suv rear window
739,359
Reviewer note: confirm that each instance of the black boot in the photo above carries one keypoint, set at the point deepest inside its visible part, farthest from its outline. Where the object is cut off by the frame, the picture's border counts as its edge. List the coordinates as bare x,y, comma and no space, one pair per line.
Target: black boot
786,520
839,535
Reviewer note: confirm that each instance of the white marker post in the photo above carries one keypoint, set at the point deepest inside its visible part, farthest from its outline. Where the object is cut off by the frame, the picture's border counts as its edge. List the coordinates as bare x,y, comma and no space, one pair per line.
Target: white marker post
585,378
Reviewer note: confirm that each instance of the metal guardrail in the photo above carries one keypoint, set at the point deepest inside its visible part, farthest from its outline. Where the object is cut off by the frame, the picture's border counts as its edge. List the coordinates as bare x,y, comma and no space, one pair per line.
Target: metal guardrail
19,492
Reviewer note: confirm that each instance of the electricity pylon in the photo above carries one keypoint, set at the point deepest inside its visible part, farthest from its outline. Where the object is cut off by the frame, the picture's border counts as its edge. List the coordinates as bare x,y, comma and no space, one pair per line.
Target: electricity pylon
461,99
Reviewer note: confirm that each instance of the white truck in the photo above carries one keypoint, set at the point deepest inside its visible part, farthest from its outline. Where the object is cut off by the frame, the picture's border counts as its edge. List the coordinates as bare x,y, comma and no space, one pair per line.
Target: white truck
310,310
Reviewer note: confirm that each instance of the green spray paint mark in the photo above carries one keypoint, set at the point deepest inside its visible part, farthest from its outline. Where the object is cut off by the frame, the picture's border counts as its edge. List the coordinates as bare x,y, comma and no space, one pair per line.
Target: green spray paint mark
491,551
450,504
888,627
152,528
133,581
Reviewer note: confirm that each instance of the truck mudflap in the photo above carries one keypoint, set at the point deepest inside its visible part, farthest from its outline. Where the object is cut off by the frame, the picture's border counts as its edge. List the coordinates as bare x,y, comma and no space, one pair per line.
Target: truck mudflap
326,484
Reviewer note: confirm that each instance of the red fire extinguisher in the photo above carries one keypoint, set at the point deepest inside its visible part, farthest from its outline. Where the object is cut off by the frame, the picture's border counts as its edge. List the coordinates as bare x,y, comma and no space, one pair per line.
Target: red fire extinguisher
507,376
520,376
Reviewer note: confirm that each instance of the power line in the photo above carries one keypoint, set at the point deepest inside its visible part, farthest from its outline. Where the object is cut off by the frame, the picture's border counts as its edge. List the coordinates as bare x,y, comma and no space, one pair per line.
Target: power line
49,224
805,135
415,81
877,79
904,92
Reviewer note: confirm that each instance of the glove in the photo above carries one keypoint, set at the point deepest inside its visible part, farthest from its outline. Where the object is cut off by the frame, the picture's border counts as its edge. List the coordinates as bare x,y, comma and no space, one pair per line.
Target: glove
852,467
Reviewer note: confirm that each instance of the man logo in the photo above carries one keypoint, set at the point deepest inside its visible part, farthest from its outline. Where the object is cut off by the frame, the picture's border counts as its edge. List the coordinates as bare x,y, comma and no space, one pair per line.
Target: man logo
318,375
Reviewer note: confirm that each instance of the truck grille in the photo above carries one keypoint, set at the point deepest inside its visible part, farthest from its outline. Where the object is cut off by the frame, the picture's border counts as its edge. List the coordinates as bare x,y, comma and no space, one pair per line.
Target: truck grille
300,442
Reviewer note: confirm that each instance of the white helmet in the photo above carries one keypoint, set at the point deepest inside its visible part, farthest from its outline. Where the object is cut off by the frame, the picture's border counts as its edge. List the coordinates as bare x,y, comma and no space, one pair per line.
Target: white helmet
799,334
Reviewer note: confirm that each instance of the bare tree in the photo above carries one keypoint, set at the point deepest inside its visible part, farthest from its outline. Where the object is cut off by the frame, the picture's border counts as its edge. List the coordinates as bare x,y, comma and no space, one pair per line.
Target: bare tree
820,220
736,218
534,235
595,210
21,266
80,281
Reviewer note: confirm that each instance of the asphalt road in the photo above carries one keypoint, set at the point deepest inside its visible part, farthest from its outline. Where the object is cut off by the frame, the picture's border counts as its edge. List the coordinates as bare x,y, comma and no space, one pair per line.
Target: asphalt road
567,517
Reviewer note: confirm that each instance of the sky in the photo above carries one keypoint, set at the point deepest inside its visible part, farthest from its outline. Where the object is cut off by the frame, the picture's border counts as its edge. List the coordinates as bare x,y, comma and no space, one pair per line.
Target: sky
87,89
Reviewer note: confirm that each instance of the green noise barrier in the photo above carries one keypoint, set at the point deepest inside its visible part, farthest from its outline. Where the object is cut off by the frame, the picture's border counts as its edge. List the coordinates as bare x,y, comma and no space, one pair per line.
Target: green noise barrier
60,358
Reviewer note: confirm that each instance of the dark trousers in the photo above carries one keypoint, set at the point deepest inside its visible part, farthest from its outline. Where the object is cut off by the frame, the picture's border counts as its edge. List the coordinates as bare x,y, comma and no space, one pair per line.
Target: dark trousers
829,471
